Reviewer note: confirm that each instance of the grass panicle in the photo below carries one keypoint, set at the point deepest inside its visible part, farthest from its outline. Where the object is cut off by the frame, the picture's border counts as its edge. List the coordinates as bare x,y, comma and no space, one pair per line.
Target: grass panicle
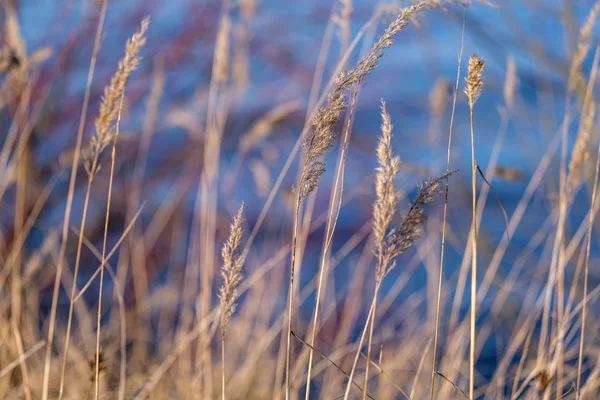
401,239
386,201
232,268
473,81
109,107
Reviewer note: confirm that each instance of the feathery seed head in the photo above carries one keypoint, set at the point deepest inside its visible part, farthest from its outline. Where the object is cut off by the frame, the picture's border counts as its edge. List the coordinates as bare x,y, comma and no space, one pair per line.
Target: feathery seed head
232,267
386,200
401,239
474,82
109,108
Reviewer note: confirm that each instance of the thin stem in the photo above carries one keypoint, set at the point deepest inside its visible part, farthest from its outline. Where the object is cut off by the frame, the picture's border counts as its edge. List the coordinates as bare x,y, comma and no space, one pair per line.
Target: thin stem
104,244
223,366
86,203
473,258
360,343
291,295
371,327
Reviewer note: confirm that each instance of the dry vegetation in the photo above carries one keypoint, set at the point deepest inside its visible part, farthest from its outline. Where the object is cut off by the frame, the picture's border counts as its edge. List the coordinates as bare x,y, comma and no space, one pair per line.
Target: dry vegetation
124,295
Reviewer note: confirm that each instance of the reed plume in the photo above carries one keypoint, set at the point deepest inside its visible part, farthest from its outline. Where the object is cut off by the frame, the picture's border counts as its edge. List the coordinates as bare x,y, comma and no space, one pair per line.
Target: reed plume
386,201
109,107
473,81
232,267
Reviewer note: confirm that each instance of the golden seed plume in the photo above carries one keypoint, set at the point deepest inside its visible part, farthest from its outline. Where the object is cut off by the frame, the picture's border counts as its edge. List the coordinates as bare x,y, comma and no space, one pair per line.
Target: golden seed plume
109,108
474,82
401,239
321,138
386,201
232,267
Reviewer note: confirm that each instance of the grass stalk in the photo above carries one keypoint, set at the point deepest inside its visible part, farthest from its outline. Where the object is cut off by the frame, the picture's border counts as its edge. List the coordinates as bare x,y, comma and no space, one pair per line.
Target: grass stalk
473,88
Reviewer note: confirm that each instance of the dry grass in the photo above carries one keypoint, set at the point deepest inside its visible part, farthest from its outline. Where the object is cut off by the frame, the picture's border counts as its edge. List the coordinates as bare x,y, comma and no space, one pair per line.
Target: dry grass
473,88
124,297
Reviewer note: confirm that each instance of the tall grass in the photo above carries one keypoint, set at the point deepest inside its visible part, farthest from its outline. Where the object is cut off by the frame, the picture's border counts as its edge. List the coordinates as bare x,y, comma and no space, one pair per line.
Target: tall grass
344,298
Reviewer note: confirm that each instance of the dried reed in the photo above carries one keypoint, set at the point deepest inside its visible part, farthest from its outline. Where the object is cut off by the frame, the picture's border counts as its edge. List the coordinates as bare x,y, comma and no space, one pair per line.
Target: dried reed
473,87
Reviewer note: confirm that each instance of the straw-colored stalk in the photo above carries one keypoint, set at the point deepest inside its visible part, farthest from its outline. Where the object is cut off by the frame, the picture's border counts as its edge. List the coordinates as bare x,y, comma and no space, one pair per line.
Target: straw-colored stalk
474,85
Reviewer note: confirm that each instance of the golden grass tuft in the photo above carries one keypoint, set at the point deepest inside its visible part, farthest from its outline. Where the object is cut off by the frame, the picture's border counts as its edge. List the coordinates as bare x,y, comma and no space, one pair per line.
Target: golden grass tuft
232,267
109,108
473,81
232,275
